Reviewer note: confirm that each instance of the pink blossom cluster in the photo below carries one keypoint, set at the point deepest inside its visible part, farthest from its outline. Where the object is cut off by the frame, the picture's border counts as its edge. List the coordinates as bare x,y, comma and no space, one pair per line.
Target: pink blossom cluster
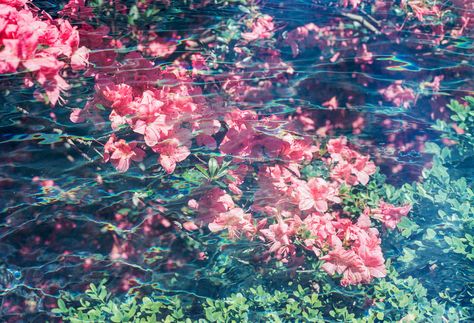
355,252
398,94
253,137
161,105
290,210
350,166
390,215
38,46
120,153
164,107
217,210
262,28
421,9
157,46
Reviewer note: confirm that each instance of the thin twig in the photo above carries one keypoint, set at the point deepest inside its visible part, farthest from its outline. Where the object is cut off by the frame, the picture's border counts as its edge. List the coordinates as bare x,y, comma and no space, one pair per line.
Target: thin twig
361,20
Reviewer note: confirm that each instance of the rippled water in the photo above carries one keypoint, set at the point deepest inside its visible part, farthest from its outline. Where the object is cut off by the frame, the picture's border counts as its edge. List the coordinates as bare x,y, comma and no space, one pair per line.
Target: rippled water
61,237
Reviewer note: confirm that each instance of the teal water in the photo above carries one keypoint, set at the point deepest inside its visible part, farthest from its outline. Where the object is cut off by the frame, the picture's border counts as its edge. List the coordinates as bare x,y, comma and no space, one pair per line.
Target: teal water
64,236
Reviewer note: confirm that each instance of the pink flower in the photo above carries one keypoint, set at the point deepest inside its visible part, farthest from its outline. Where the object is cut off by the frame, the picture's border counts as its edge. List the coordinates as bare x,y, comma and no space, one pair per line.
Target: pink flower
362,168
421,9
37,46
389,214
280,235
349,166
354,3
338,147
369,250
316,193
76,116
159,47
235,221
206,129
238,143
213,203
80,58
344,262
120,96
15,3
77,9
262,28
9,58
321,228
274,194
238,176
296,38
364,55
190,226
120,153
150,120
359,264
332,103
172,151
398,94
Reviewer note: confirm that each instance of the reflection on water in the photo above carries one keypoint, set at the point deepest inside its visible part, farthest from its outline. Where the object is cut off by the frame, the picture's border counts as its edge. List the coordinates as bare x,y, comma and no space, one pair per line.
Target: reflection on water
68,219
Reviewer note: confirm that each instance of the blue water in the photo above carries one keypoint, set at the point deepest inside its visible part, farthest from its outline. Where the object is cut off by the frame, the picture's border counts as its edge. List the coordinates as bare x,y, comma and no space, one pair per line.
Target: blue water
60,238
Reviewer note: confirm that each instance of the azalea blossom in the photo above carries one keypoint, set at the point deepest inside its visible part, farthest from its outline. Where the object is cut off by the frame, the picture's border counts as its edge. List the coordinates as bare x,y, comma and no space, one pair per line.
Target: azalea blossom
173,150
39,47
316,193
235,221
389,214
120,153
280,237
211,204
262,28
349,166
421,9
359,264
398,94
159,47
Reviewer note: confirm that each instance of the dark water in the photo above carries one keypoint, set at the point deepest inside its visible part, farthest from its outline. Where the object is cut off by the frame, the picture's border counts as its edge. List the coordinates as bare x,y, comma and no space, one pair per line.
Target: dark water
63,236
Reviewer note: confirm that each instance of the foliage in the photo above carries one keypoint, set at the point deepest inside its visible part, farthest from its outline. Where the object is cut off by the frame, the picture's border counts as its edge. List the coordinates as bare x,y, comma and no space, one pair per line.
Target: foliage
443,211
461,131
97,305
388,300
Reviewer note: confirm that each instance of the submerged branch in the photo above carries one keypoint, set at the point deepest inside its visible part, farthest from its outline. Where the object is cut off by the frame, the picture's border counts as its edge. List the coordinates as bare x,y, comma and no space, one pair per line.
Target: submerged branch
362,21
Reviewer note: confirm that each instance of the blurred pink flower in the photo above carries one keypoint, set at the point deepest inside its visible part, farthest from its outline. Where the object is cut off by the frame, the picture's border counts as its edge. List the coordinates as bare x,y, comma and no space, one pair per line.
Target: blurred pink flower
120,153
171,151
279,235
389,214
262,28
235,221
398,95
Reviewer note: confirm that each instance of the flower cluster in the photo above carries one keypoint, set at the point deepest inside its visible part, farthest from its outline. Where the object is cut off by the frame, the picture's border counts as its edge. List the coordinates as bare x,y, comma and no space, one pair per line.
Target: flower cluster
398,94
217,209
250,136
39,47
290,210
350,167
262,28
120,153
162,105
165,106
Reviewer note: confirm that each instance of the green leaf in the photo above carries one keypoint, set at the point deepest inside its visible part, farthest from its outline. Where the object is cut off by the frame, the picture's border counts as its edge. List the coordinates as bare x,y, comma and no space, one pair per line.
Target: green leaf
432,148
430,234
213,167
62,306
